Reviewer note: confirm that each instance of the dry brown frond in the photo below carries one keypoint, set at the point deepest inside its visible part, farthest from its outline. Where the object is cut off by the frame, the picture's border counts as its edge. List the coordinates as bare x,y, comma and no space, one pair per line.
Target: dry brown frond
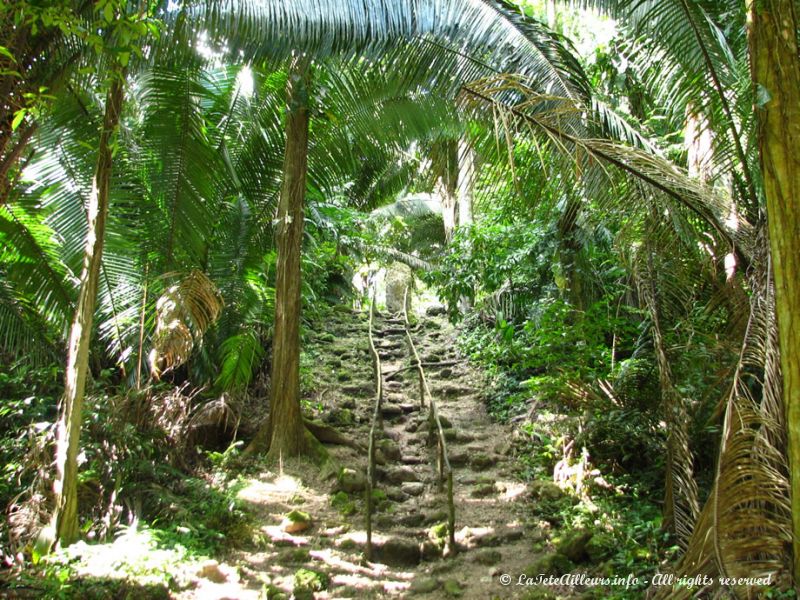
184,312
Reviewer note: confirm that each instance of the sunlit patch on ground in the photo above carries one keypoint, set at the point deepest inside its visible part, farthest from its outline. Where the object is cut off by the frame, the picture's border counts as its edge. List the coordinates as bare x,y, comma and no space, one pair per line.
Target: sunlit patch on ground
277,489
353,574
511,490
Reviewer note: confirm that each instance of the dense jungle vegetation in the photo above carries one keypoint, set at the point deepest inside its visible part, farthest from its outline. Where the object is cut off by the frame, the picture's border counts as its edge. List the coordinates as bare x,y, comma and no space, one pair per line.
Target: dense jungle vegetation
210,214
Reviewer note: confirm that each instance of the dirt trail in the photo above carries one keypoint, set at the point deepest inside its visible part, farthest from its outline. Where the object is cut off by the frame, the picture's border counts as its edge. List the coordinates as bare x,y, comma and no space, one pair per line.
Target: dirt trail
411,560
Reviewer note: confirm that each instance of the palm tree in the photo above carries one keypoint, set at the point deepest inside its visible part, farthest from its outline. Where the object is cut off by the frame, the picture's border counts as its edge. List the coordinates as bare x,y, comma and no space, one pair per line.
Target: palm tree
707,65
486,32
775,68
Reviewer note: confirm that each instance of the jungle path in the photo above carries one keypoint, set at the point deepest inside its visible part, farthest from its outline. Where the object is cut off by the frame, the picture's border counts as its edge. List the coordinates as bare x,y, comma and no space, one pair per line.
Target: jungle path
296,554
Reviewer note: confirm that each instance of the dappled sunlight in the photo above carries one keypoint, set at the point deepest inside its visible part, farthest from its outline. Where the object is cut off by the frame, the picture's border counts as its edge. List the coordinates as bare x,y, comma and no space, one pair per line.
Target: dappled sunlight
511,490
278,489
277,534
359,576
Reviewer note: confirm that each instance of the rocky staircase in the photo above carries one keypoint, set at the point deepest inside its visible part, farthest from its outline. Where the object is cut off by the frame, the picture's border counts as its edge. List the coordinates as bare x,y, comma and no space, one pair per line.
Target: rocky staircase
410,532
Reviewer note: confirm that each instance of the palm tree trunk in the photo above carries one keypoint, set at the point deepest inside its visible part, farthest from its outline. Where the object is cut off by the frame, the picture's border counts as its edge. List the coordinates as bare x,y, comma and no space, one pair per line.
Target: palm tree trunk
284,432
776,74
65,518
446,152
466,181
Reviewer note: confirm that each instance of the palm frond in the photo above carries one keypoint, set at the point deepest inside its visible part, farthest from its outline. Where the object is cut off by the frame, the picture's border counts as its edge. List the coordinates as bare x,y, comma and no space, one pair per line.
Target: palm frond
185,311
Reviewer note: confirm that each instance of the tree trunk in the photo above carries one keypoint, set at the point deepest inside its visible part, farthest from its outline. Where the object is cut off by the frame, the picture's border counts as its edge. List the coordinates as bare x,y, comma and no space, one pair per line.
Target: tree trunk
65,518
466,182
776,74
445,153
552,15
284,433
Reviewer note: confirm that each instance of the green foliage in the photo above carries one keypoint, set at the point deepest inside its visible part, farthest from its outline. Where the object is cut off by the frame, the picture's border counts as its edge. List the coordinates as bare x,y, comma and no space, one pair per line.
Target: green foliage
28,398
307,581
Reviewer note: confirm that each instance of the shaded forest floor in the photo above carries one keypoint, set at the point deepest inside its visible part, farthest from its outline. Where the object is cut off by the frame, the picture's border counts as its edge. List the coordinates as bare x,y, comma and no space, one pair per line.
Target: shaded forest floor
296,529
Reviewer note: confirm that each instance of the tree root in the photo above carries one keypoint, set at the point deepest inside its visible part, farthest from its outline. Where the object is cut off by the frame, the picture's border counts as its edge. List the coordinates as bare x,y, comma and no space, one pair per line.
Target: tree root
329,435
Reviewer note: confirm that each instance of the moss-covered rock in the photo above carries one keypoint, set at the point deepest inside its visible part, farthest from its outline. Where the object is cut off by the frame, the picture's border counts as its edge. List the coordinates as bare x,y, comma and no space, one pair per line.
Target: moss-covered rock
453,588
351,481
483,490
424,585
549,564
306,582
273,592
296,521
546,490
487,557
573,545
341,502
294,555
399,552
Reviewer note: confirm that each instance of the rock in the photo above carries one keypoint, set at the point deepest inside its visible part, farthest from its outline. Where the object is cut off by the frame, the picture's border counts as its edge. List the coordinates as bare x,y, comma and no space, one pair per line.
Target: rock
390,449
380,501
452,588
380,459
455,391
549,564
384,522
458,459
409,408
401,475
483,490
424,586
212,571
512,533
273,592
396,495
399,552
487,557
341,502
413,459
437,516
573,545
413,488
339,416
306,582
451,435
412,520
432,550
481,462
359,389
446,373
351,481
465,437
504,448
412,426
391,411
546,490
446,423
435,310
295,555
296,521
